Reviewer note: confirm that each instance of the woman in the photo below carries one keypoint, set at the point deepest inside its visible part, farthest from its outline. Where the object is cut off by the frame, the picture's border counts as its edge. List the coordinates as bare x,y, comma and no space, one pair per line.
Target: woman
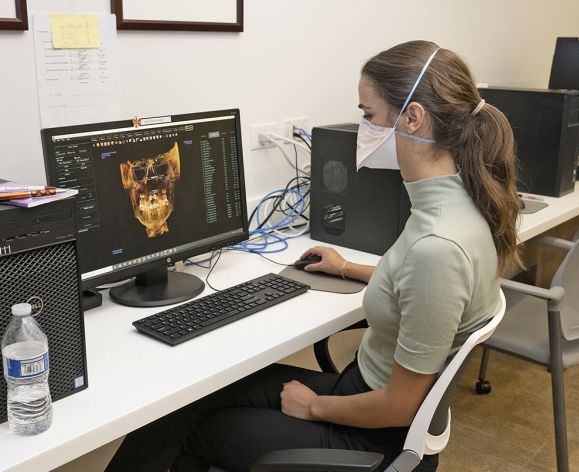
437,284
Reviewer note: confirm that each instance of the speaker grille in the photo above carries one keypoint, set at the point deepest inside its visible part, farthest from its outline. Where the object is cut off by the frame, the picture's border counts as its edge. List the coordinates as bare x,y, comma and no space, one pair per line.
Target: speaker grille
333,219
335,177
51,274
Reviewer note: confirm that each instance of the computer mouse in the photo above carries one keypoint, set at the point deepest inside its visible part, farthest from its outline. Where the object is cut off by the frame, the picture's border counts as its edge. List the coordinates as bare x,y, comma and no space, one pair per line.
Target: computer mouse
301,263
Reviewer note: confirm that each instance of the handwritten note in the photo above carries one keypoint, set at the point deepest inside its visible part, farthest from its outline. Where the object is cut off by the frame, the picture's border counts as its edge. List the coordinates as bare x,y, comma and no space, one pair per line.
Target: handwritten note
75,31
77,85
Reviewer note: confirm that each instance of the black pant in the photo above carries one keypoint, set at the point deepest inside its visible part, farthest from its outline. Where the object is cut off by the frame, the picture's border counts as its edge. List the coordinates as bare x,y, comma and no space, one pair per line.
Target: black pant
232,427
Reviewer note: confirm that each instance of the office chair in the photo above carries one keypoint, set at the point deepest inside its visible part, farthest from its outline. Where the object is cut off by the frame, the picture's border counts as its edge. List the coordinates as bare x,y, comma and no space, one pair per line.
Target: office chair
542,326
428,434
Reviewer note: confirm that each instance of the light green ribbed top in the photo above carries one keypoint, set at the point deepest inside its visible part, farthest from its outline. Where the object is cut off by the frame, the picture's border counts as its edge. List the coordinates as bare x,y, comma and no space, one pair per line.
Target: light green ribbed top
436,285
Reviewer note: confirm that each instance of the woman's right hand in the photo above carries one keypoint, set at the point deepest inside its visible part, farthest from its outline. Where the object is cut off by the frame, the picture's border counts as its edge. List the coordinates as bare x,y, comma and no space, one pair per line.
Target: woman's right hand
332,262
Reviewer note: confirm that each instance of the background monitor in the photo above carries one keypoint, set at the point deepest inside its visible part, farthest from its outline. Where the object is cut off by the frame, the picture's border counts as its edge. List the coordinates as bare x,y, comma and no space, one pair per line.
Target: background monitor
565,67
151,192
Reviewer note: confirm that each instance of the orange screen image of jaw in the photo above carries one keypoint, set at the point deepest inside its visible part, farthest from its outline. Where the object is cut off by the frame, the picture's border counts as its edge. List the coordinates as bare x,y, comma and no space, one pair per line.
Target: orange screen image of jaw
150,183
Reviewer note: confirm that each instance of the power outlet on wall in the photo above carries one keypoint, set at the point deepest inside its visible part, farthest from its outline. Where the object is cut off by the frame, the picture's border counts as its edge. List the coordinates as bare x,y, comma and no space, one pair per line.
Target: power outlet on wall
256,131
291,123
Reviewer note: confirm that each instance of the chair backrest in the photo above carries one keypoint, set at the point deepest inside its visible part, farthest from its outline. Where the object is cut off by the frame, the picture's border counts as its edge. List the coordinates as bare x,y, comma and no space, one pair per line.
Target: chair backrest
426,434
567,276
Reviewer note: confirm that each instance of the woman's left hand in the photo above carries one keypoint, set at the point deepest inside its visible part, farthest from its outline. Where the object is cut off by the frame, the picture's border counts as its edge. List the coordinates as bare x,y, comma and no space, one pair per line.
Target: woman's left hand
297,400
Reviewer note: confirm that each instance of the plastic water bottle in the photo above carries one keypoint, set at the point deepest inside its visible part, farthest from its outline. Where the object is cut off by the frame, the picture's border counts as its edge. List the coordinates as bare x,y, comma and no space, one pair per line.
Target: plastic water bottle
25,357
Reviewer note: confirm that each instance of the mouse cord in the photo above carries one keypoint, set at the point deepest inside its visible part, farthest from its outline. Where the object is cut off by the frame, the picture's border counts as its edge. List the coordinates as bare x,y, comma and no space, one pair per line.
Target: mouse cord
271,260
260,254
211,270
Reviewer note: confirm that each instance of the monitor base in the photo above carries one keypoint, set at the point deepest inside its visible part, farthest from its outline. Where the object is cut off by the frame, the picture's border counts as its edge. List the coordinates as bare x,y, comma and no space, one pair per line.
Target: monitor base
147,291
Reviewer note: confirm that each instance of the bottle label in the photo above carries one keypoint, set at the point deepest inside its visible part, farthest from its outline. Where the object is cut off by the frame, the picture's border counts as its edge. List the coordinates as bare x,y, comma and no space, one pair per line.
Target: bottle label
26,368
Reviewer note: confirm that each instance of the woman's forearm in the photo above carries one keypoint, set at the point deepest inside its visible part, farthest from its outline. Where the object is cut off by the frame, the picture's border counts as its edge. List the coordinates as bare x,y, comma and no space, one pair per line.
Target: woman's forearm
374,409
395,404
355,271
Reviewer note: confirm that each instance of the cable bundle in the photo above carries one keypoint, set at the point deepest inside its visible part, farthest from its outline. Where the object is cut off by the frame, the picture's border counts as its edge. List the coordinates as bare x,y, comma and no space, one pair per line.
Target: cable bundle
289,204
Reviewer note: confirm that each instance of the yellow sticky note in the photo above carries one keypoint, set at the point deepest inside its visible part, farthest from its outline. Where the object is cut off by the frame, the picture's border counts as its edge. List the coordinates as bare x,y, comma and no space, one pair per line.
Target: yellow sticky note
70,31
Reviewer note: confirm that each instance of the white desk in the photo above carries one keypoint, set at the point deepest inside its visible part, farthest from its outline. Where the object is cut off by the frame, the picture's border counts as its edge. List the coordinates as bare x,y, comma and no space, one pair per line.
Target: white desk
134,379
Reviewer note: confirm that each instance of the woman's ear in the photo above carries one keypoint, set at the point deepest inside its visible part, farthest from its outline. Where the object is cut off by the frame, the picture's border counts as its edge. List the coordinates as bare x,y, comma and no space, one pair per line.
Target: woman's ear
413,117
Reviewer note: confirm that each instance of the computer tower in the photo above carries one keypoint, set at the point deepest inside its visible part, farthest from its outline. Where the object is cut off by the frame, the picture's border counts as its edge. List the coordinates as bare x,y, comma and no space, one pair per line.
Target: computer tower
38,265
545,125
364,210
565,66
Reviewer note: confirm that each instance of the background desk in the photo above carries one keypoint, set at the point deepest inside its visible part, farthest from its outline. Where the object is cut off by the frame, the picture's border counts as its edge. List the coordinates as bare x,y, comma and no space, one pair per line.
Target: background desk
134,379
558,211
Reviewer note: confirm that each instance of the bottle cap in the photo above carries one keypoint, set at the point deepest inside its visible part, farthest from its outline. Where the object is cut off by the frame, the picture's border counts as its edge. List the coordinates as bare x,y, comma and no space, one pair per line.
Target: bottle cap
21,309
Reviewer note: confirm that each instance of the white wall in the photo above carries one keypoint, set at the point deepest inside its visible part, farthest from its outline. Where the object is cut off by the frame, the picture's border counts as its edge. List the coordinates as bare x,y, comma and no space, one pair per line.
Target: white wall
295,58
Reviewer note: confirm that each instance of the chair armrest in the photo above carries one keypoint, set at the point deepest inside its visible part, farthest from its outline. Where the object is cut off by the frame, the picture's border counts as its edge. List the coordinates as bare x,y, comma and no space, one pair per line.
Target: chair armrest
556,242
553,295
317,460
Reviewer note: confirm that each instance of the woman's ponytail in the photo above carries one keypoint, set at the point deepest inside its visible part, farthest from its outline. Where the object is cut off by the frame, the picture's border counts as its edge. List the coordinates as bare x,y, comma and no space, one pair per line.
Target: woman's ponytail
485,153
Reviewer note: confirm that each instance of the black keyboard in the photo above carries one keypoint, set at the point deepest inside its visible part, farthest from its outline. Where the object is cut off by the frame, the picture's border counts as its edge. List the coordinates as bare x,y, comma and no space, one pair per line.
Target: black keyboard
199,316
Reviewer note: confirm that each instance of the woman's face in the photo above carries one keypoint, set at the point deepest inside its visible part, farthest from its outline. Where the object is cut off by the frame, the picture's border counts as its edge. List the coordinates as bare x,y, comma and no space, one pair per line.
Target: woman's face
374,107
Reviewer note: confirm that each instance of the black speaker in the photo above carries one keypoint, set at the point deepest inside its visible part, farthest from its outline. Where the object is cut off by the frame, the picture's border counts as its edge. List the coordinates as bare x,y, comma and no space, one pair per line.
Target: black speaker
545,125
38,265
364,210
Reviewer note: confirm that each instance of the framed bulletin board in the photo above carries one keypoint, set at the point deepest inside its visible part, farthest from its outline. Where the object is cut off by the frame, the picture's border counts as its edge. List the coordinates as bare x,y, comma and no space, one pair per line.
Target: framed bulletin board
13,15
180,15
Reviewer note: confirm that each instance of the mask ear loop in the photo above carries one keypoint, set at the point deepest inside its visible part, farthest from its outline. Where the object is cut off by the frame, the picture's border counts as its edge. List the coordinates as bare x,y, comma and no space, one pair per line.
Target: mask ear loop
414,86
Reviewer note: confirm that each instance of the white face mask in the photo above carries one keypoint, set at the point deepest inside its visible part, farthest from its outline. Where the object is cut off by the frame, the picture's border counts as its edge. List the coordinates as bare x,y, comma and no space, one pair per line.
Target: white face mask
376,145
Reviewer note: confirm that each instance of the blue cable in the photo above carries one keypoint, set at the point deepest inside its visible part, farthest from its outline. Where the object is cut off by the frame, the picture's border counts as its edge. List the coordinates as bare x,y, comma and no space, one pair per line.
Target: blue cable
266,239
198,263
263,247
306,134
285,221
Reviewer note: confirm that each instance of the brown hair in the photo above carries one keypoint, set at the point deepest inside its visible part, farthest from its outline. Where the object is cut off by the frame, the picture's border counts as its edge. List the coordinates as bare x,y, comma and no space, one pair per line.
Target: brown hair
482,145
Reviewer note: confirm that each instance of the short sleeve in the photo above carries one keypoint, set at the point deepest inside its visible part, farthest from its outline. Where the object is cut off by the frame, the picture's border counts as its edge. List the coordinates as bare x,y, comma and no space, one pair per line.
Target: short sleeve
434,286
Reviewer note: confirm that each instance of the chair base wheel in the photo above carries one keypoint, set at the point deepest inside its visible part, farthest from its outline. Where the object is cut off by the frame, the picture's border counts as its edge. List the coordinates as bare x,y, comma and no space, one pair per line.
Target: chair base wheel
483,387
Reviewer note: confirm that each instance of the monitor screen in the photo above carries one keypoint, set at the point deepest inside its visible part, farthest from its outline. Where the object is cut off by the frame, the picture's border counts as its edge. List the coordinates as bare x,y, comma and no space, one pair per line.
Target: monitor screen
151,192
565,68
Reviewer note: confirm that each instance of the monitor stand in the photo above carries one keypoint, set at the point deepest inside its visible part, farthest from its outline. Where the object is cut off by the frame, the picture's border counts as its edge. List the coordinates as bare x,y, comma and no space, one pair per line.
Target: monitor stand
157,287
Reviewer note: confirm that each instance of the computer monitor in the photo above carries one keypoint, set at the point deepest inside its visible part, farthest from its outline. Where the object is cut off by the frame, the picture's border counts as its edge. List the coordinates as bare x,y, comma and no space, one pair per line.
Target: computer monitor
565,67
151,192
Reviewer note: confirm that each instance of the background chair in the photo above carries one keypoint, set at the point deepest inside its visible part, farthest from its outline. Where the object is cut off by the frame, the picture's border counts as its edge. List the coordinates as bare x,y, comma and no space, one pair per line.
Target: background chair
542,326
428,434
